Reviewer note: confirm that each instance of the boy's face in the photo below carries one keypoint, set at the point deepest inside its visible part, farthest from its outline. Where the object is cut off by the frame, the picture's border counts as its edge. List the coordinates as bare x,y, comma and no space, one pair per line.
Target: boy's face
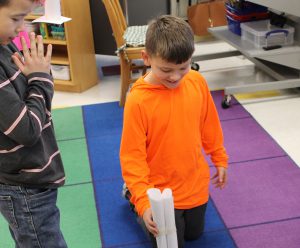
165,73
12,19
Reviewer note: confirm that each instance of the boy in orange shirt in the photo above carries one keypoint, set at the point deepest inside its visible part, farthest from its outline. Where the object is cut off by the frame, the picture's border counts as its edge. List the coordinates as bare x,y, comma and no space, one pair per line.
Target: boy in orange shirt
169,119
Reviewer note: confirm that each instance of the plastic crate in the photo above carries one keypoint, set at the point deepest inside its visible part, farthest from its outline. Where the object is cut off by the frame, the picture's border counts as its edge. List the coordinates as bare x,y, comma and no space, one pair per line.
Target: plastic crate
262,34
246,8
248,17
233,25
245,12
61,72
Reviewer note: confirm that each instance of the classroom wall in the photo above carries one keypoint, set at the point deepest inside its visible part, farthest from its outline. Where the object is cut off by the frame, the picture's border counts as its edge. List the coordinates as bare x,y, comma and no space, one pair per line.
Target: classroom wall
139,12
103,40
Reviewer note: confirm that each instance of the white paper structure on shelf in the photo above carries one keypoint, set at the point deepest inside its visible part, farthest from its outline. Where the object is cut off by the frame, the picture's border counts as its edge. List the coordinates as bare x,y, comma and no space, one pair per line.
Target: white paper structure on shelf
162,206
52,13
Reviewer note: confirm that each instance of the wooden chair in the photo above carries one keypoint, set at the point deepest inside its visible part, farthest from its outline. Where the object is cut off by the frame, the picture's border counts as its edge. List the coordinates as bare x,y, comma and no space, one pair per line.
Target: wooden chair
126,54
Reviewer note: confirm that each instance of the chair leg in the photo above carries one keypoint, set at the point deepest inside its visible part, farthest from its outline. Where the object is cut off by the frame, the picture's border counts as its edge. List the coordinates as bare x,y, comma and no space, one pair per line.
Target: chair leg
125,78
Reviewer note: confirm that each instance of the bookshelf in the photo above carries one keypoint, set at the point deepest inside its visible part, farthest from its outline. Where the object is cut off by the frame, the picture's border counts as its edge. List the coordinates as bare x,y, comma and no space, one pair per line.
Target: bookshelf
77,50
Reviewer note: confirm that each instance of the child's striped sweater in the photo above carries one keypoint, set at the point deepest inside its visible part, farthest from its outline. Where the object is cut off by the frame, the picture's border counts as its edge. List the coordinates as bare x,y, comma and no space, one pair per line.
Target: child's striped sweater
29,155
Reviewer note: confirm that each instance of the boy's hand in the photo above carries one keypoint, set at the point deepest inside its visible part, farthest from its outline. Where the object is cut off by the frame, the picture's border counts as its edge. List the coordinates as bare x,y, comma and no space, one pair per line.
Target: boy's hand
34,59
150,224
220,178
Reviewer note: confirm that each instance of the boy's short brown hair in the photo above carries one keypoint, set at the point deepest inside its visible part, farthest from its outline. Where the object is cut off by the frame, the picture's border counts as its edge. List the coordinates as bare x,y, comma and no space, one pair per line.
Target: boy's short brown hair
170,38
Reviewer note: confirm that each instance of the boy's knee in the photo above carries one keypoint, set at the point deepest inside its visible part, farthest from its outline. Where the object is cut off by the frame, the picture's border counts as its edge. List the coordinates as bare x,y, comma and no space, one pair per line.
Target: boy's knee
193,235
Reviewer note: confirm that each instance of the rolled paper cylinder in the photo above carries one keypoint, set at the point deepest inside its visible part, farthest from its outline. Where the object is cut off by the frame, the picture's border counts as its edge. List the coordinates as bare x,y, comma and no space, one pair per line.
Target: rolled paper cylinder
171,234
157,208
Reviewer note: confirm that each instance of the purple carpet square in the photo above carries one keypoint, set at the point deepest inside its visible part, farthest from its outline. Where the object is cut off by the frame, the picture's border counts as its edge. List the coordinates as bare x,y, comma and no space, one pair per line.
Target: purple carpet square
272,235
259,191
245,140
235,111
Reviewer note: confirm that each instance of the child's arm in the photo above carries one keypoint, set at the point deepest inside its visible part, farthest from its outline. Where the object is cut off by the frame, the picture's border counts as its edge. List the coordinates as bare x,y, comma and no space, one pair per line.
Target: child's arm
24,116
211,133
212,138
133,155
135,169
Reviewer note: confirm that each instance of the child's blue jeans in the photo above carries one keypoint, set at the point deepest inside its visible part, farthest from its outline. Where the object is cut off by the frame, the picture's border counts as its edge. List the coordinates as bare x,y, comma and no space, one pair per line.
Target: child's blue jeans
32,215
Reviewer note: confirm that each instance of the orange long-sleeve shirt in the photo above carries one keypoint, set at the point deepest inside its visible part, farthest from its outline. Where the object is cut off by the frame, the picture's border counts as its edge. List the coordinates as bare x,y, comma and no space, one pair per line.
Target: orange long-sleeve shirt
164,134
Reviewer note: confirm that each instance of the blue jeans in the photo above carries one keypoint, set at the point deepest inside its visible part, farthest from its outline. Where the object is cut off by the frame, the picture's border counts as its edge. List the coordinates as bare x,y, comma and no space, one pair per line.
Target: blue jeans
33,216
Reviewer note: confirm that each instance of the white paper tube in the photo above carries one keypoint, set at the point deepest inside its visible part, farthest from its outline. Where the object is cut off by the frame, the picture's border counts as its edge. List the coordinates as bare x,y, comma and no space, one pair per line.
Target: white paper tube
171,234
157,208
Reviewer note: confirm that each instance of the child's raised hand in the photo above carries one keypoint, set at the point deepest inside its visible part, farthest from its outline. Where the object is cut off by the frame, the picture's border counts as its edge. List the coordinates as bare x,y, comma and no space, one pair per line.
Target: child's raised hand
34,59
220,178
150,224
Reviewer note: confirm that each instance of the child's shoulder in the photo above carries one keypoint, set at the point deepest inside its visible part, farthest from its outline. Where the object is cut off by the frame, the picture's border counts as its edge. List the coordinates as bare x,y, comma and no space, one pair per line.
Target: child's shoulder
141,90
196,78
195,75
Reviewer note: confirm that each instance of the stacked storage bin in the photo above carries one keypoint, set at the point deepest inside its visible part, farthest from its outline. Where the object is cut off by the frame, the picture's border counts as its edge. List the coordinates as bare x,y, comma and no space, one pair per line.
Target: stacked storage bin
243,11
264,35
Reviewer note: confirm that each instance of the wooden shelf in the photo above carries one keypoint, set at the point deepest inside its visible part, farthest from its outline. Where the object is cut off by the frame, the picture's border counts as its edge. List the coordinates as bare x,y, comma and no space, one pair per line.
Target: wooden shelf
55,42
63,82
65,85
32,17
77,51
60,60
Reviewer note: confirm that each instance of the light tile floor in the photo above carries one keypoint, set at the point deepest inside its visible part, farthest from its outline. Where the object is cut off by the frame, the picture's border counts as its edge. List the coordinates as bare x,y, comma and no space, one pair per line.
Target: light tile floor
277,111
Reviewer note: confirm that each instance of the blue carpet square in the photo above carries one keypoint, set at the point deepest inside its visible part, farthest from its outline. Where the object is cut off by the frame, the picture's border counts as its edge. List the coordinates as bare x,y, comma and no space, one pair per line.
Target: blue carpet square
218,239
119,226
103,119
104,157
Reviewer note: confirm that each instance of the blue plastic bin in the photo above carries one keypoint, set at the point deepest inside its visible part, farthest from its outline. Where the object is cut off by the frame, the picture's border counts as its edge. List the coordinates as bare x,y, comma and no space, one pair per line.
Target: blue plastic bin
234,25
246,12
246,9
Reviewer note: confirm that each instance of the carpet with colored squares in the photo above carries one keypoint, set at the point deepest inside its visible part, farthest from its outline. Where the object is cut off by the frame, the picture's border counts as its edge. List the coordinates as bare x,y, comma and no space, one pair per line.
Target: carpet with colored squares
260,207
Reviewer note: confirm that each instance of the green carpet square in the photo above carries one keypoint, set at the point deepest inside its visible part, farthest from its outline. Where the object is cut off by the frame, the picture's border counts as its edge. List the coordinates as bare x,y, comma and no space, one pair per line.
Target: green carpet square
79,221
75,159
68,123
6,240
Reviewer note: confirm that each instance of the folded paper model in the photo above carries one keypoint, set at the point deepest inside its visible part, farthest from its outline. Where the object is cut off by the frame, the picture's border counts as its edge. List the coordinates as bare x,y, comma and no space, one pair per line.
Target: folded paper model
162,206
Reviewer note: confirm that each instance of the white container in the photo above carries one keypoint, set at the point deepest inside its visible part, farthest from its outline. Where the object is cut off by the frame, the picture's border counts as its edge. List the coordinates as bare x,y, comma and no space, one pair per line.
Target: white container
262,34
61,72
